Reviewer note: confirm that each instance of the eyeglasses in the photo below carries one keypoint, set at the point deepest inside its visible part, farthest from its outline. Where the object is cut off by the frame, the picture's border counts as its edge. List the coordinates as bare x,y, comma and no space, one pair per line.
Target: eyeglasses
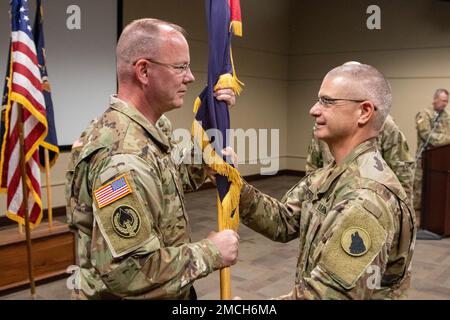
327,101
179,68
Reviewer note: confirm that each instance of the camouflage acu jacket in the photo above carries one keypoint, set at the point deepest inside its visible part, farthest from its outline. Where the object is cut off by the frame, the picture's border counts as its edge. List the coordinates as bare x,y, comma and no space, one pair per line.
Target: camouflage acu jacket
125,200
393,147
355,227
424,124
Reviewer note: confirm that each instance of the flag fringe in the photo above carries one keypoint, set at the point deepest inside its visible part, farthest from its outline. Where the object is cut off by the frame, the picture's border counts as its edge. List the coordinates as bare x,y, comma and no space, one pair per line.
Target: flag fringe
231,201
21,220
197,104
39,116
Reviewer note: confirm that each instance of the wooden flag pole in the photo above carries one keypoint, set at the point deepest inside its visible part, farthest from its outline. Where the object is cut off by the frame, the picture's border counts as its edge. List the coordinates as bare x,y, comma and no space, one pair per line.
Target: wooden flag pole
49,188
225,273
25,202
225,283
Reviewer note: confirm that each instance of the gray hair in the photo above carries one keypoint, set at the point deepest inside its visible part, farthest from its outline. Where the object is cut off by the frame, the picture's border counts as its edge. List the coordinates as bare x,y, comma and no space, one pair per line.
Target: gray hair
372,85
141,38
438,92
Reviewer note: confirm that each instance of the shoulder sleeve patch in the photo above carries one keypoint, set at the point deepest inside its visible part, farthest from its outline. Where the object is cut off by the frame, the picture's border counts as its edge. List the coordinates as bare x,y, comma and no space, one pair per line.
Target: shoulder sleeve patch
355,243
123,222
112,191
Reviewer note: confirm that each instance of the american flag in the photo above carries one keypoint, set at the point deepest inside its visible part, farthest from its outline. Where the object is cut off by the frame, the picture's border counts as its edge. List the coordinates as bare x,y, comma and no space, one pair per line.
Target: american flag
112,191
24,91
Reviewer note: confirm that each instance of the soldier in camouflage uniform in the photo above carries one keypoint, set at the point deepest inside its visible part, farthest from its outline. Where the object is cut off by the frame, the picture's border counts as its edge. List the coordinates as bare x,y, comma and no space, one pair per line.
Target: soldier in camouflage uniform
125,191
352,217
393,147
440,135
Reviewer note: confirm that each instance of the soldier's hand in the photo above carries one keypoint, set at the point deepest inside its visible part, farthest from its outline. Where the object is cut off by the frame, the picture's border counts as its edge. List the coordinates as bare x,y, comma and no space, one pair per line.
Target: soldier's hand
226,95
227,241
229,153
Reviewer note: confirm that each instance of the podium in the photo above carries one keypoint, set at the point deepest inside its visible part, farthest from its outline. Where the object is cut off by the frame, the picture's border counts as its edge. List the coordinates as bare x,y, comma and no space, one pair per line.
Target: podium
435,214
53,252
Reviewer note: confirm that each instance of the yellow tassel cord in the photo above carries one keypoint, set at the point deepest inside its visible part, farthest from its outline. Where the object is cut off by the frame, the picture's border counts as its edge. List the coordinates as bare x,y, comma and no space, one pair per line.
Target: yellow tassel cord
197,104
236,26
228,80
231,200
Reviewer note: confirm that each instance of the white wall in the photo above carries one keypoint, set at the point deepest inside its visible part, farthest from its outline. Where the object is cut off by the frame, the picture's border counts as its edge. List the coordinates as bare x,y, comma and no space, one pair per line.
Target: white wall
81,63
81,67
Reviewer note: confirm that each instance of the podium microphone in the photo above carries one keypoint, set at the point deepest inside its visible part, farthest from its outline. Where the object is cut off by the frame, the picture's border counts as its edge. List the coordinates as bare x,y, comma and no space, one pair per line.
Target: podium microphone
436,117
435,121
423,234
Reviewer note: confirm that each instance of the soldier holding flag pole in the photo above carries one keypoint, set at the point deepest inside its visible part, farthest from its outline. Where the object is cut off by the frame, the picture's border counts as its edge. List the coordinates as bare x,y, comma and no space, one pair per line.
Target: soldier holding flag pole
124,189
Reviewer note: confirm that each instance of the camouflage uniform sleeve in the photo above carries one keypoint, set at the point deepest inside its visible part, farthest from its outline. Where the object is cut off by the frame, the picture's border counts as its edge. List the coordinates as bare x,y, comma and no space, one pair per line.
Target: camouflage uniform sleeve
352,256
277,220
395,151
424,126
314,158
127,246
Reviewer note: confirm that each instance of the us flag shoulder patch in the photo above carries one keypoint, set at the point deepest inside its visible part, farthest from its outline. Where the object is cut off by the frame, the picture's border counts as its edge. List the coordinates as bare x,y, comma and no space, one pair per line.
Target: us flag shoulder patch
112,191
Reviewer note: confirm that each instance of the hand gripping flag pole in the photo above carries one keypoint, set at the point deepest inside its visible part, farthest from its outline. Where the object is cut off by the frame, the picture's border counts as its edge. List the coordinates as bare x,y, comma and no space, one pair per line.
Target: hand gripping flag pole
223,20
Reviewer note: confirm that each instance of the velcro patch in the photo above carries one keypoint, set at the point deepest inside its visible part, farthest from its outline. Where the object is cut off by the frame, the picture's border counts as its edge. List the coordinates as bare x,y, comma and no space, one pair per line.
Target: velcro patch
372,208
355,243
124,223
112,191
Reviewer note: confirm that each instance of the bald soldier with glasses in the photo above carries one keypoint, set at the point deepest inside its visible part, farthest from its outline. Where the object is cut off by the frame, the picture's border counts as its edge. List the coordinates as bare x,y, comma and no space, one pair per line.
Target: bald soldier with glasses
391,142
124,190
353,219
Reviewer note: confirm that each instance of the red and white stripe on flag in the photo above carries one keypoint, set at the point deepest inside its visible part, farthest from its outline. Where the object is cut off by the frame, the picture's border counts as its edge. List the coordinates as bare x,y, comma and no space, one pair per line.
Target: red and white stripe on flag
25,90
110,192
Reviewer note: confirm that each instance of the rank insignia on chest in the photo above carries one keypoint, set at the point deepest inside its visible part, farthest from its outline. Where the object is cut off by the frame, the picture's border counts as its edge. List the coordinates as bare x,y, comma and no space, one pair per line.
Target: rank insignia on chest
112,191
355,241
126,221
322,208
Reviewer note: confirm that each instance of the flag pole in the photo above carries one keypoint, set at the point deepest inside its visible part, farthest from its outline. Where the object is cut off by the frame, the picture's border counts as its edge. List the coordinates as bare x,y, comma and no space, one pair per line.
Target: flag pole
225,273
225,283
25,202
49,189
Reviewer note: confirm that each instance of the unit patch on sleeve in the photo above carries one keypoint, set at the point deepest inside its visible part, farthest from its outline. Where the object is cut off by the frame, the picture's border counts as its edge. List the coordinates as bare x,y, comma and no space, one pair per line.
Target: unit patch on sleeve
126,222
355,241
